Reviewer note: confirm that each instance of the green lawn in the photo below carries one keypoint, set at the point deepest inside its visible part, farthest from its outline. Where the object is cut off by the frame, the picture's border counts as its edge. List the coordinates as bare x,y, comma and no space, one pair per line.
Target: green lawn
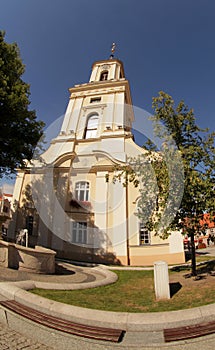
201,258
134,292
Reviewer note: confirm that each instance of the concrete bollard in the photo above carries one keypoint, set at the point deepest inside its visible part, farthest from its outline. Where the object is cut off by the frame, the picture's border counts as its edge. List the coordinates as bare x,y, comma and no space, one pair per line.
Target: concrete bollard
161,280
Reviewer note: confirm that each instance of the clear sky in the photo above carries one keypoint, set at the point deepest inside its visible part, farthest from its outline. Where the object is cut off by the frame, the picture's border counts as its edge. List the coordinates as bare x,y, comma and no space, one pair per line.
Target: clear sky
165,45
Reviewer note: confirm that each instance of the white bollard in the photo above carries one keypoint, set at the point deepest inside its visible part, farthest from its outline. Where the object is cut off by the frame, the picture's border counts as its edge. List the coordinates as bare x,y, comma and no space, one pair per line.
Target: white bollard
161,280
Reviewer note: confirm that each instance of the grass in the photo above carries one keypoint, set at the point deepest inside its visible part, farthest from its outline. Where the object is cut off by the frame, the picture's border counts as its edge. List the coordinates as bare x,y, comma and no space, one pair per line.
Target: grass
202,258
134,292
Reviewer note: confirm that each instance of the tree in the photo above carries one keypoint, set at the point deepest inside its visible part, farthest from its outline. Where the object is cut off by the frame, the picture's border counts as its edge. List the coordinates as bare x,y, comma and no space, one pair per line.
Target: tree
177,182
19,128
197,150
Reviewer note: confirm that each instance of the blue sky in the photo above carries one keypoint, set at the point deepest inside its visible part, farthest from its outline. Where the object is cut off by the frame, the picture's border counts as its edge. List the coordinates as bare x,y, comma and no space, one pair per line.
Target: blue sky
164,44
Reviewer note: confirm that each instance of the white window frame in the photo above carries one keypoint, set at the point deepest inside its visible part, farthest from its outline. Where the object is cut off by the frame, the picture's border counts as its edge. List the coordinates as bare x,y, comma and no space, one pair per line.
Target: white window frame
82,191
79,232
144,235
92,126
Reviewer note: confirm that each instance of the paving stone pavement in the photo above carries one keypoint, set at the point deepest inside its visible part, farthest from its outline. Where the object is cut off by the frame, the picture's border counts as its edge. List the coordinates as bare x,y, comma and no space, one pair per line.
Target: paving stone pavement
12,340
65,273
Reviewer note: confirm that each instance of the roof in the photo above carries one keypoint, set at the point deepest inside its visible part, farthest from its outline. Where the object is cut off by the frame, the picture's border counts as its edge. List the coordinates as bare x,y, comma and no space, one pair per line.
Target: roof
207,220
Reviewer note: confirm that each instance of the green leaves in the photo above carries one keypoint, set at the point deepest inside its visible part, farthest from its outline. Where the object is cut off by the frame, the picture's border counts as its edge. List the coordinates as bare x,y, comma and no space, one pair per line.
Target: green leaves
176,183
196,146
19,128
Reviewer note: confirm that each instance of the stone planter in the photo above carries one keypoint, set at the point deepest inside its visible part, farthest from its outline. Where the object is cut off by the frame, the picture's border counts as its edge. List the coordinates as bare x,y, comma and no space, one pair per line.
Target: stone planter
35,260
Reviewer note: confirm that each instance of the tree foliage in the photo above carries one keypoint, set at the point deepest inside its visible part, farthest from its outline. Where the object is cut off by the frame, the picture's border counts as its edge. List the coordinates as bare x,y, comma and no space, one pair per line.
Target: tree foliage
19,128
176,182
196,147
197,150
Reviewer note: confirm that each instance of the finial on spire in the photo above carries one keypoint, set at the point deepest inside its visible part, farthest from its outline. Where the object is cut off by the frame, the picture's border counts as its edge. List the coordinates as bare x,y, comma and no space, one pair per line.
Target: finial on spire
113,48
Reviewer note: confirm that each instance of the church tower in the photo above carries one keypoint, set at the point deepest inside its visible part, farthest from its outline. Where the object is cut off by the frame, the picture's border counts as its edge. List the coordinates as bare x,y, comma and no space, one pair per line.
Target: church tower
68,194
95,133
100,110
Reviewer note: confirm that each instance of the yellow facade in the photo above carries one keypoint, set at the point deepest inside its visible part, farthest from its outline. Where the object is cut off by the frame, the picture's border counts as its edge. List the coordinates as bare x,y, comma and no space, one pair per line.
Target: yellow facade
76,208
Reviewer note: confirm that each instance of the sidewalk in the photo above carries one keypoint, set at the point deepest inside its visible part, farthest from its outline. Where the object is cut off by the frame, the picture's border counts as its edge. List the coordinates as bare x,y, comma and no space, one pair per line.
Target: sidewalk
207,251
143,331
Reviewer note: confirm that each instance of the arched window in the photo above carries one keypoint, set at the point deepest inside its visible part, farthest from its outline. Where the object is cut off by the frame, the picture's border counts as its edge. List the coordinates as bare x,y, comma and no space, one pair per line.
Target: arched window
104,75
82,191
92,126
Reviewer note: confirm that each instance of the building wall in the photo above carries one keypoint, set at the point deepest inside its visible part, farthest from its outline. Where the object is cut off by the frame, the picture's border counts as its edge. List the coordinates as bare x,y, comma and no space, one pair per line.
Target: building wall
113,227
112,222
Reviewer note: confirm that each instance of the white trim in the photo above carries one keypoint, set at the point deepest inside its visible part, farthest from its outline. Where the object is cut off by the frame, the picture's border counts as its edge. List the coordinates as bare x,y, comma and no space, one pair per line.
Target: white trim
86,191
79,232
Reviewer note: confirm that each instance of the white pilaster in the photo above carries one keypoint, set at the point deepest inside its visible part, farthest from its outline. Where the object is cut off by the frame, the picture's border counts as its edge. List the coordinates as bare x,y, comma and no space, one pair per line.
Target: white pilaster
119,222
94,74
75,123
67,116
100,210
112,74
119,109
107,120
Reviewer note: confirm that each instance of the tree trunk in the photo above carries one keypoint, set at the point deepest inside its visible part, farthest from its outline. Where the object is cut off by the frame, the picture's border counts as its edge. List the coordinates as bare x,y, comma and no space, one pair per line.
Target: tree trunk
193,255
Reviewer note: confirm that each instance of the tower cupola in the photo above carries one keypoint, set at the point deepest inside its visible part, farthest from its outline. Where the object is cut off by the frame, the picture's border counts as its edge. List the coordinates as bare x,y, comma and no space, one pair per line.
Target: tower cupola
109,70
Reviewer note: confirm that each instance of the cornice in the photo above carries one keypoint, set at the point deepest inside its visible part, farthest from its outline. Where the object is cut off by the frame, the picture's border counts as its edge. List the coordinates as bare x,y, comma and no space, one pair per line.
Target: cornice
99,85
107,87
110,61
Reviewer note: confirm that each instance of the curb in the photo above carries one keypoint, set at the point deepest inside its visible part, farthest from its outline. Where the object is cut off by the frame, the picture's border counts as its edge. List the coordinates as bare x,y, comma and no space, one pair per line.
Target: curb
137,322
142,329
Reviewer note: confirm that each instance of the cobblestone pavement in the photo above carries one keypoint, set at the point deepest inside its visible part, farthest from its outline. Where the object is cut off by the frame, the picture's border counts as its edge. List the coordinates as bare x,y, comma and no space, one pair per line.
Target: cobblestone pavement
12,340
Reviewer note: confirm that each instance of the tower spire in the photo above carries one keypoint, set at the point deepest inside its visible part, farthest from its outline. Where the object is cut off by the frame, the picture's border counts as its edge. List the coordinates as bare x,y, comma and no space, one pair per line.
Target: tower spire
113,48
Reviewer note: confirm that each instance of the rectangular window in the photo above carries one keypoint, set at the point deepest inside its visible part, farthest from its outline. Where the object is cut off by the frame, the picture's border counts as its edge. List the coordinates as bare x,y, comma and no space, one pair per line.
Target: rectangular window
82,191
145,237
79,232
95,99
